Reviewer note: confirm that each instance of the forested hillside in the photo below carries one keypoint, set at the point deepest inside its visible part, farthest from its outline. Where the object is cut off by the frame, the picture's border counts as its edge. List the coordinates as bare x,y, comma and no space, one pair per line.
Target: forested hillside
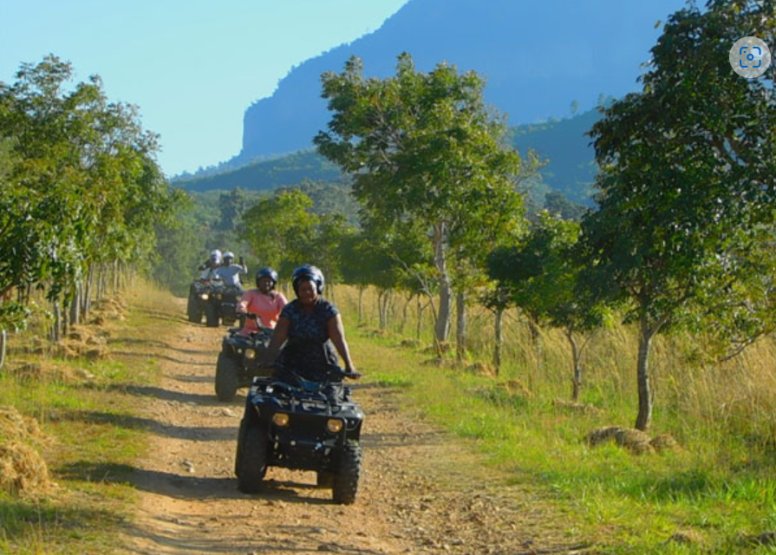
562,145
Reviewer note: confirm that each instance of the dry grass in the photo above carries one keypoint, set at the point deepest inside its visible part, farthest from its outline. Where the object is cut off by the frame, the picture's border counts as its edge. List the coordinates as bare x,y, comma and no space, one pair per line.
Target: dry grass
23,472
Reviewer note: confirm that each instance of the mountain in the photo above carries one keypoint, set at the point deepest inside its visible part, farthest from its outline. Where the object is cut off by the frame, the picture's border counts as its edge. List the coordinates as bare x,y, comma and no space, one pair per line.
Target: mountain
537,57
569,168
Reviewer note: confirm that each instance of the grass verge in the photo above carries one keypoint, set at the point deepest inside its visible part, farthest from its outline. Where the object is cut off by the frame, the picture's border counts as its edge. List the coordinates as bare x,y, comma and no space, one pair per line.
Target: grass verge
716,495
92,436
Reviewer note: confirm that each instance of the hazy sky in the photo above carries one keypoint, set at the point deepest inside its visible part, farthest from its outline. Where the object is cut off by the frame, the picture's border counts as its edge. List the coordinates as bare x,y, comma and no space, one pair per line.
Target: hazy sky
191,66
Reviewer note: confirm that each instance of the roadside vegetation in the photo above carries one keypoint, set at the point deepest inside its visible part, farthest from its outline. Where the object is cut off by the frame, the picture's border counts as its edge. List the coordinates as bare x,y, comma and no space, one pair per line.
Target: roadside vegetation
70,430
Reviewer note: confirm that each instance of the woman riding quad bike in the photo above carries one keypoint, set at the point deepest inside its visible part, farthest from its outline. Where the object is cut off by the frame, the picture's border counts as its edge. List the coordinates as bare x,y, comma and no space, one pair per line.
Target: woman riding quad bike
302,417
243,349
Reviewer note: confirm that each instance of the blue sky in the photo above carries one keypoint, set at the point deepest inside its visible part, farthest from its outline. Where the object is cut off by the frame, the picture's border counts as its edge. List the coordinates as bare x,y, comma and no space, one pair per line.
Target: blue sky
191,66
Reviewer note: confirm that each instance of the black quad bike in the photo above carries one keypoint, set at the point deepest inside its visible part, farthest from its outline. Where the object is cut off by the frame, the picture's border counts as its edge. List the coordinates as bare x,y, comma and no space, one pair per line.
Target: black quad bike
201,294
226,300
238,361
303,426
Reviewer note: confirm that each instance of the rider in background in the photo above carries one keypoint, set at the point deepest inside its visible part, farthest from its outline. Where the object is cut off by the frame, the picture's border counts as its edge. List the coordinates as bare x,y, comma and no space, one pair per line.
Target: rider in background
262,301
308,331
230,273
209,267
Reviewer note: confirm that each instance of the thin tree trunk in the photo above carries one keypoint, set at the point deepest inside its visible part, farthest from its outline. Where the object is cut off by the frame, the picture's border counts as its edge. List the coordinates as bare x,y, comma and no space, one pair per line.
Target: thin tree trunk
75,305
56,327
3,343
360,303
86,305
499,333
420,318
577,366
460,328
404,314
116,282
442,324
644,418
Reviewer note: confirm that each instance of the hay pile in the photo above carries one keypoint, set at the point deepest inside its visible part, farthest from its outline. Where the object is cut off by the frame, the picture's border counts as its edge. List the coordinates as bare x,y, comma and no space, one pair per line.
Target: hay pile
636,441
23,472
573,406
83,342
482,369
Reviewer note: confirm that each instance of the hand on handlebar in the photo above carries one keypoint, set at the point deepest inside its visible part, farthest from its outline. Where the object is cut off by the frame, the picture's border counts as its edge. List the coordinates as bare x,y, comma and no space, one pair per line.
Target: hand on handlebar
352,373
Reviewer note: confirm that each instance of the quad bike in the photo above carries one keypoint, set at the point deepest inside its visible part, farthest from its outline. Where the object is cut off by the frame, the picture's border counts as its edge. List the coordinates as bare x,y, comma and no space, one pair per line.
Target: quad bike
200,293
227,299
238,361
304,426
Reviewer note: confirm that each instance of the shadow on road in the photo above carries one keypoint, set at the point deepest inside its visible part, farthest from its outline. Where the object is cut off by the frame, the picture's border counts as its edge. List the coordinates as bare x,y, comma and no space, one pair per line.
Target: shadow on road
224,433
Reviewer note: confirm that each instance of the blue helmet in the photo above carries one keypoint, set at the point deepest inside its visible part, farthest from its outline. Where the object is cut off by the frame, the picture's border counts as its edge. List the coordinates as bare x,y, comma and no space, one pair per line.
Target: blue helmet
267,272
308,272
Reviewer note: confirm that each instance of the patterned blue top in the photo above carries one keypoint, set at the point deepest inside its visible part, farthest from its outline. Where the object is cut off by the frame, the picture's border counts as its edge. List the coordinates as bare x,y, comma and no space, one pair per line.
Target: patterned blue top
308,350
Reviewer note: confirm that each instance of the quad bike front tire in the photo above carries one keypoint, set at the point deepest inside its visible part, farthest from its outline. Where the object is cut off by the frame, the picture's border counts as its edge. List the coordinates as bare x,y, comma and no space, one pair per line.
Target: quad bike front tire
193,311
252,463
211,315
345,485
227,377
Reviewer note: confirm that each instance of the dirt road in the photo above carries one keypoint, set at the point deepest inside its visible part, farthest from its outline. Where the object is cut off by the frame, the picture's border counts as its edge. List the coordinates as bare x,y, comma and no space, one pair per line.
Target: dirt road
420,492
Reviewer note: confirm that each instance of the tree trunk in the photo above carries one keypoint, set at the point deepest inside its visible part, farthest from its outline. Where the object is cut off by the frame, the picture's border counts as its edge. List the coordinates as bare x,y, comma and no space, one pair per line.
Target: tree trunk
404,314
442,325
499,333
86,301
75,305
460,327
420,318
576,366
3,343
644,418
56,326
116,281
380,313
360,303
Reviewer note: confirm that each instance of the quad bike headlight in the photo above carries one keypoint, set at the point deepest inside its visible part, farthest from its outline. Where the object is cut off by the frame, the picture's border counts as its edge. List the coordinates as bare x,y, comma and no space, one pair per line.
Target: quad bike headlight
250,354
280,419
204,296
334,425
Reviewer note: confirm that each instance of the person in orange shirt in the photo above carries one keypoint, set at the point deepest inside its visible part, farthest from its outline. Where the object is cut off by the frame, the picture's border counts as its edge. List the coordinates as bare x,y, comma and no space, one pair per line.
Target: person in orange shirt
262,301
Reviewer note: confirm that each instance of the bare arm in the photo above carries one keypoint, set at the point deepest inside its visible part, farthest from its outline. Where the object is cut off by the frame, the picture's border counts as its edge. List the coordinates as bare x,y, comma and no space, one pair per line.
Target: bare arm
279,336
337,336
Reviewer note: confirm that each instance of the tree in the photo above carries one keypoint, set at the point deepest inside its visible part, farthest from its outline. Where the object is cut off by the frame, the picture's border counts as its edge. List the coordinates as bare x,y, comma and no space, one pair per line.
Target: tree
280,230
688,175
541,275
81,186
421,147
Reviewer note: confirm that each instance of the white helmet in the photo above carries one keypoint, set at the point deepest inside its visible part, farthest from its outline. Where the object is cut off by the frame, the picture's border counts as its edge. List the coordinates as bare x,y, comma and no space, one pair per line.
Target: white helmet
229,254
216,253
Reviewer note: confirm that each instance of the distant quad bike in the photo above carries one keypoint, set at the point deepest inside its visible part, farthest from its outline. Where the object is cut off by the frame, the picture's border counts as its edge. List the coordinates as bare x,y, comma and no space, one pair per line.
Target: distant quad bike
238,361
200,298
227,299
302,426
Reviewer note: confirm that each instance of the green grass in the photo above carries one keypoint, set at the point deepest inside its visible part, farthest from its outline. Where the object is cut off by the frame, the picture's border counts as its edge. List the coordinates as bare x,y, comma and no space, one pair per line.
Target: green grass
720,488
95,435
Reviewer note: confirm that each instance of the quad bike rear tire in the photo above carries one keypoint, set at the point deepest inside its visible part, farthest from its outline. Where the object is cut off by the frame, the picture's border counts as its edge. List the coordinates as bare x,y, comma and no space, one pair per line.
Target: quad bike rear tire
345,485
211,315
252,463
227,377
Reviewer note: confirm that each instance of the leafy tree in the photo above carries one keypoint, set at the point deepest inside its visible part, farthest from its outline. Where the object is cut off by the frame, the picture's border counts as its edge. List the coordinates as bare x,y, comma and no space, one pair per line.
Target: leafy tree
688,171
542,277
281,230
421,147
